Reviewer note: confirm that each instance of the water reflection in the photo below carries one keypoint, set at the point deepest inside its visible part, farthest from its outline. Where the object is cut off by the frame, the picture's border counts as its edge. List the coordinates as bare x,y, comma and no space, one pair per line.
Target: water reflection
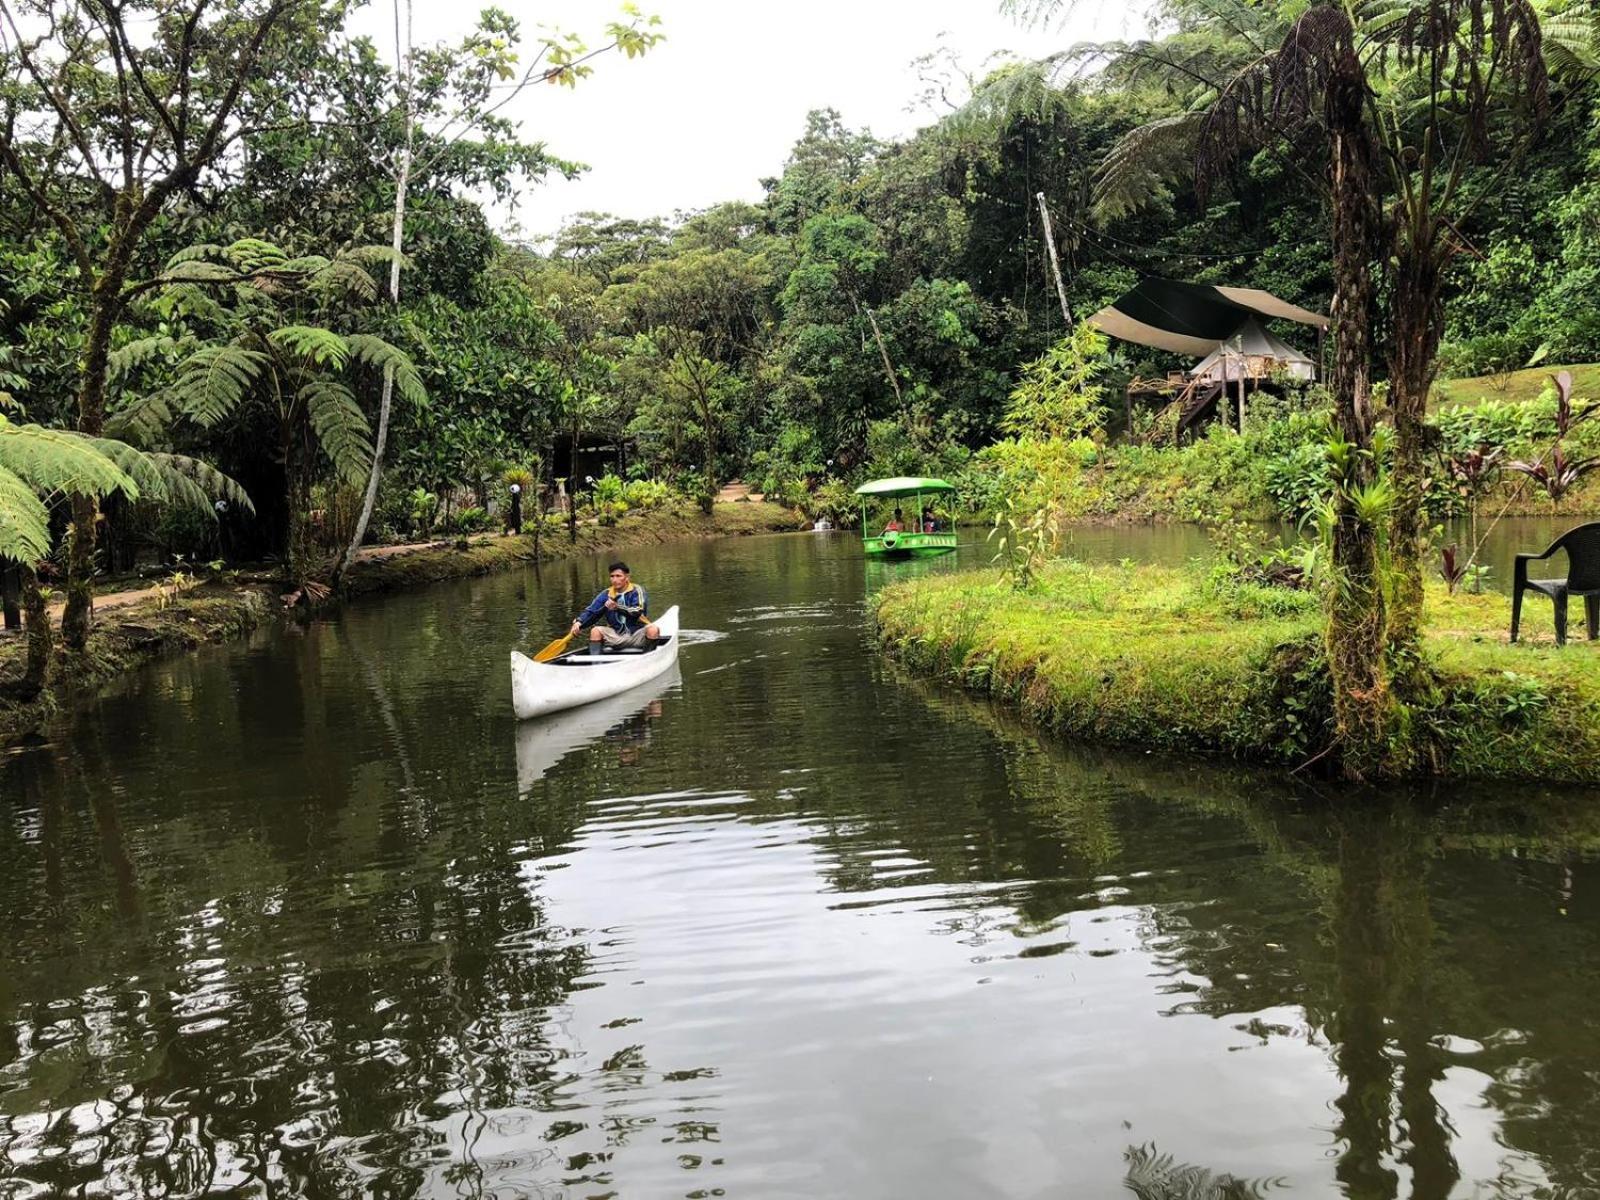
290,920
622,722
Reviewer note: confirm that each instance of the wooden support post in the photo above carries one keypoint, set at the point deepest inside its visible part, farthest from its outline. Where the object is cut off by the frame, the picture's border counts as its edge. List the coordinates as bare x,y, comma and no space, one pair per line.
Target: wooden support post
1055,264
1241,384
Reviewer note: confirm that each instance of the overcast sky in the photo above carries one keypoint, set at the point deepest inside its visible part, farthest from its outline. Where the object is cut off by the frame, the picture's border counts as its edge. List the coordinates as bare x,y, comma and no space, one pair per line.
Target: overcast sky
717,106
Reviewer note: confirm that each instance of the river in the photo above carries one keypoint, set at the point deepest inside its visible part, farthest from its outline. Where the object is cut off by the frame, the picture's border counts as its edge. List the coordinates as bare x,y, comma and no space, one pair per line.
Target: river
311,916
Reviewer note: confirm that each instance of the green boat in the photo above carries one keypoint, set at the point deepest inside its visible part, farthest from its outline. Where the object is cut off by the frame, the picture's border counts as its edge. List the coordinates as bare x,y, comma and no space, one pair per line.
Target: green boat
914,540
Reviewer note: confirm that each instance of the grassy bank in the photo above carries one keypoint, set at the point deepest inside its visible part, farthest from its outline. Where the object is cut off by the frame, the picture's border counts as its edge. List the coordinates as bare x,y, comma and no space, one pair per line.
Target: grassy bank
1167,659
128,636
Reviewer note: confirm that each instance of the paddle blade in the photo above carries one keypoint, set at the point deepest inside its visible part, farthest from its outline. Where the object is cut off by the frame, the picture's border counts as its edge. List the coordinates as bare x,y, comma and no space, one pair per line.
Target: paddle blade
553,649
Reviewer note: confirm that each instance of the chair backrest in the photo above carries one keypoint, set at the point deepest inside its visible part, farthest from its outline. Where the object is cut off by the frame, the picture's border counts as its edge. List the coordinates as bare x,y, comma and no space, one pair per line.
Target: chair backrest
1582,544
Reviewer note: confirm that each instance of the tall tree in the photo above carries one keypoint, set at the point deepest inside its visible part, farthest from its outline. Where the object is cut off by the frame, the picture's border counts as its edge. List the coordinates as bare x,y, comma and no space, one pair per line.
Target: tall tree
121,107
465,89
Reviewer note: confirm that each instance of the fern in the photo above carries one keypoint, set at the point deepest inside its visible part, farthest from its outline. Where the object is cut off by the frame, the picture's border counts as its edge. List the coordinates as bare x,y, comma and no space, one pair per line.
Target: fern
38,462
127,359
57,460
215,379
24,521
200,271
174,480
1143,162
253,254
341,427
200,250
1155,1176
312,343
140,418
392,361
343,278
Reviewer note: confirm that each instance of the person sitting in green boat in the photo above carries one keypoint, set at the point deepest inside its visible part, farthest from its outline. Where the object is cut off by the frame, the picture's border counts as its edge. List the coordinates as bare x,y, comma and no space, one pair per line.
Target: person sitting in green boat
620,615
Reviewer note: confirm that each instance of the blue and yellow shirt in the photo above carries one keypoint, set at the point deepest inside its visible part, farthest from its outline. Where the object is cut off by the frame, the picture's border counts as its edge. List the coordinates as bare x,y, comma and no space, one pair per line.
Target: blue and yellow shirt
630,615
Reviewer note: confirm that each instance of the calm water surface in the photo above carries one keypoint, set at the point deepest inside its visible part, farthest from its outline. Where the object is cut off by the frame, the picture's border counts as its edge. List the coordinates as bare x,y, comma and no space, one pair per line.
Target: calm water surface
314,917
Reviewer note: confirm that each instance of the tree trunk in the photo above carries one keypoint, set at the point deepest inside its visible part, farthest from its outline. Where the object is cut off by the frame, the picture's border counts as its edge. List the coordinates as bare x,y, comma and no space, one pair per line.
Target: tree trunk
10,594
41,644
396,240
79,612
1355,635
299,553
1418,319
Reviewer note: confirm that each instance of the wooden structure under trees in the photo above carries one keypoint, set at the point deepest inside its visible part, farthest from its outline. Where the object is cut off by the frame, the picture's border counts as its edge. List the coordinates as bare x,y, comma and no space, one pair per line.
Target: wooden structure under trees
1223,326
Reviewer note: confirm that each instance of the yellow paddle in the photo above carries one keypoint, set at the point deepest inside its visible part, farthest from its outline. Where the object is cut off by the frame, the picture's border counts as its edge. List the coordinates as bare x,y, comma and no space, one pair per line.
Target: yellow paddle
556,648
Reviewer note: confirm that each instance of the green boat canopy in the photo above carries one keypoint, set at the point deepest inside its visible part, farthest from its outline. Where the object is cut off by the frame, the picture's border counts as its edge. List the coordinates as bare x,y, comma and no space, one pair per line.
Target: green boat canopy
903,487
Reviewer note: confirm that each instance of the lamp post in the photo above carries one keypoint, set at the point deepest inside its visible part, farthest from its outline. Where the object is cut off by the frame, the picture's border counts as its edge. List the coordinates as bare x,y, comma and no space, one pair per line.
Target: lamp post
516,509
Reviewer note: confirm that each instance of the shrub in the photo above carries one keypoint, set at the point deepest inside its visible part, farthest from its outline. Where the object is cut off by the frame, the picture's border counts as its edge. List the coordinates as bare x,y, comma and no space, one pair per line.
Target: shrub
468,520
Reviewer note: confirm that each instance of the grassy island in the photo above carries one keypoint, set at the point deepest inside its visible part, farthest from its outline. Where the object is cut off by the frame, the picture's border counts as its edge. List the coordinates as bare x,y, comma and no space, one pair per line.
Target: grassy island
1186,660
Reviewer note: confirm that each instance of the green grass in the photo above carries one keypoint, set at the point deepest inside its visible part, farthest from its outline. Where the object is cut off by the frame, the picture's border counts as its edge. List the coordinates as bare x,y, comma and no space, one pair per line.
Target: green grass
1518,387
1165,658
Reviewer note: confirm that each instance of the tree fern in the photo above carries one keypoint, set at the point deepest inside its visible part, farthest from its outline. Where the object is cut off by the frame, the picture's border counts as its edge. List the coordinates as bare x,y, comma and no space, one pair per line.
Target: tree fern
127,359
213,381
175,480
1144,162
392,361
341,427
312,343
253,254
38,462
140,418
344,278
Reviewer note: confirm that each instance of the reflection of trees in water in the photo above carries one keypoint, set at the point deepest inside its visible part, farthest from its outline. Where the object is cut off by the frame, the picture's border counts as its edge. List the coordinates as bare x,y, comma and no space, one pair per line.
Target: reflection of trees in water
1438,939
331,1000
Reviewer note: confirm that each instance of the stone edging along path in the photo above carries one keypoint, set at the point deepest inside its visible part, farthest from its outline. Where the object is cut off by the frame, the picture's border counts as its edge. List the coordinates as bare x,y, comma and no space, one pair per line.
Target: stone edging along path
132,627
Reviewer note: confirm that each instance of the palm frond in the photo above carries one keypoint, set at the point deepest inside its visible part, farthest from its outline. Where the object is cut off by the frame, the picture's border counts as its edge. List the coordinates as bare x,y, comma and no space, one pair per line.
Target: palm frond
312,343
214,379
393,362
341,427
1144,162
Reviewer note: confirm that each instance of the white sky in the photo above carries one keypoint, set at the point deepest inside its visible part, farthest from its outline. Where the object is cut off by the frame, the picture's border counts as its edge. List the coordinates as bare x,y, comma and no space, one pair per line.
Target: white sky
717,106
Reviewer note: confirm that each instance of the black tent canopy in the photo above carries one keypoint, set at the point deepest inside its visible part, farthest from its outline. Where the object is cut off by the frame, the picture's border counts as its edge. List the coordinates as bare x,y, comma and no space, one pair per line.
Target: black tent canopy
1192,318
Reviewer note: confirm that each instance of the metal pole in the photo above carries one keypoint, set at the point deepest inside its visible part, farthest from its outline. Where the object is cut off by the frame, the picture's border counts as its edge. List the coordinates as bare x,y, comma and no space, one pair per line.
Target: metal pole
1055,265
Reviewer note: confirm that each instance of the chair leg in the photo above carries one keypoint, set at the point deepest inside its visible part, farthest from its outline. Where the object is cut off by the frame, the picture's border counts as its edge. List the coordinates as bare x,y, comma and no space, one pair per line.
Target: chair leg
1561,620
1516,612
1591,607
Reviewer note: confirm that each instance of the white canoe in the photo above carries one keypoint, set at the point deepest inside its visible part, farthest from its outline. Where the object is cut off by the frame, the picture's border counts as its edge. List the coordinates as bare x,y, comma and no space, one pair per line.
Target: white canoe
582,678
542,744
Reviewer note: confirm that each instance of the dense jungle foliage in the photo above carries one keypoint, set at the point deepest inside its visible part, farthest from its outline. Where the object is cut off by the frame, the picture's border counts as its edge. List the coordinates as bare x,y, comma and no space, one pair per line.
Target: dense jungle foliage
869,316
251,293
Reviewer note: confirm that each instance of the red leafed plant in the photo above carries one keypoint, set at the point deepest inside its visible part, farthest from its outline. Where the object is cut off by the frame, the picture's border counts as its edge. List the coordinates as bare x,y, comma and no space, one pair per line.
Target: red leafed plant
1555,472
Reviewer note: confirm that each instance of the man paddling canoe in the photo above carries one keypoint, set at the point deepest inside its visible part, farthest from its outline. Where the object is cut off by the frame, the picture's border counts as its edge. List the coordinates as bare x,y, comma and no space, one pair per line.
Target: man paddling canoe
623,615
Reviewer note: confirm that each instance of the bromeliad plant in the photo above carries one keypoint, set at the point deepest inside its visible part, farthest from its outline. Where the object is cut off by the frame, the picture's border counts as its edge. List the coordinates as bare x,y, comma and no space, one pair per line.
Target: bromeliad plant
267,345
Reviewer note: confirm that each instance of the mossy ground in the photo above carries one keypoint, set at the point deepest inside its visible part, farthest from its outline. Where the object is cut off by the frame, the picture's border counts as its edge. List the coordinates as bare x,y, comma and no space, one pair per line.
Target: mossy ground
1168,659
215,611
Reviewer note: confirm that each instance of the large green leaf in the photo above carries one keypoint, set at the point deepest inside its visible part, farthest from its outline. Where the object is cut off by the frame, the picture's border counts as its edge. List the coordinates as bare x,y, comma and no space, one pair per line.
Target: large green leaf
213,381
24,521
312,343
375,352
341,427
